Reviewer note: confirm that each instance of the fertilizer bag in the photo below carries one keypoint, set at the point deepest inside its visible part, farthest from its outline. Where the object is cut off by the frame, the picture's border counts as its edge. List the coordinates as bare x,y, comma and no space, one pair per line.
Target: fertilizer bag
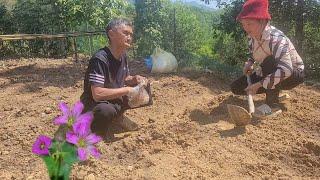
163,61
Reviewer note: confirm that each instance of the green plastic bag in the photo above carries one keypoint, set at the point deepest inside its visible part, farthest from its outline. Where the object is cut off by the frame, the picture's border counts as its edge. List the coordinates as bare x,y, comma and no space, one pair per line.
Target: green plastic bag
163,61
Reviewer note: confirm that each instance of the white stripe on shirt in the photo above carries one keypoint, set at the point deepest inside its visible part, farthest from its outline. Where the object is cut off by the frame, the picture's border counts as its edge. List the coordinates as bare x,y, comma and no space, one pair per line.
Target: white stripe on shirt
96,78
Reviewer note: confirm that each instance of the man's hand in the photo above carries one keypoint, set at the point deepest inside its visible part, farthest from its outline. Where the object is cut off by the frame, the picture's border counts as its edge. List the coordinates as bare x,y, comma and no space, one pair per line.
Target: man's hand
253,88
247,68
133,91
140,79
135,80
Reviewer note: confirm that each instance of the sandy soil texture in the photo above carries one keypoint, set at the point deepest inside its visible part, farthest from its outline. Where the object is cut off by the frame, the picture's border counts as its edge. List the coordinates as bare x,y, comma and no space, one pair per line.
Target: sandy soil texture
186,134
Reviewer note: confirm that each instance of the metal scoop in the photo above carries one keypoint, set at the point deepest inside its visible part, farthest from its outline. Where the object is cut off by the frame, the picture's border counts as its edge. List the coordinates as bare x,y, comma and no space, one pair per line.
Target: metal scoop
239,115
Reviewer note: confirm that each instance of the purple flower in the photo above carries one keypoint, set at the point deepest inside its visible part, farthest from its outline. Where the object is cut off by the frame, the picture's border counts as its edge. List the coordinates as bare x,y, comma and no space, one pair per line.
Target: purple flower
69,116
82,137
41,146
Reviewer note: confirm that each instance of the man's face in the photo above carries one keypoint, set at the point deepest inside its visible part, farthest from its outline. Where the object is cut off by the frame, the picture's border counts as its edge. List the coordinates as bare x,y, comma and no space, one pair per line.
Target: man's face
252,27
121,35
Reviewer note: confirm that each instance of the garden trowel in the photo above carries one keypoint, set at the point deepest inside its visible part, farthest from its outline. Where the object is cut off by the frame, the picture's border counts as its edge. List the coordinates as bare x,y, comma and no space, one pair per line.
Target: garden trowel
239,115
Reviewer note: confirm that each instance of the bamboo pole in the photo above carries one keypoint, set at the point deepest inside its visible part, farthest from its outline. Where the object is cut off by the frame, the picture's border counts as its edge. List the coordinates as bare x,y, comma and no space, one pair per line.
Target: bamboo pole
46,36
21,38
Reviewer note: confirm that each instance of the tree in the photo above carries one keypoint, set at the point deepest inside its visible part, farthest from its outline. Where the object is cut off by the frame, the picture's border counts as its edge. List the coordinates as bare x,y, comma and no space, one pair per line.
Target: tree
292,17
185,31
151,20
61,16
6,25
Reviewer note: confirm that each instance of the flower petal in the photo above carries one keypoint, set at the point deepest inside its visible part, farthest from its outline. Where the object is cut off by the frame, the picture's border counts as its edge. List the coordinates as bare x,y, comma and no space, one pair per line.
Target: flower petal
86,117
77,109
72,138
94,151
42,145
36,148
64,108
61,120
82,154
81,128
93,139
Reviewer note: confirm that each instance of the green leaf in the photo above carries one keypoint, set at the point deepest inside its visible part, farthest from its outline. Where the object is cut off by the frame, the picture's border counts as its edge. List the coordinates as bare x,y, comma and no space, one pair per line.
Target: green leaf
69,153
69,156
52,165
54,147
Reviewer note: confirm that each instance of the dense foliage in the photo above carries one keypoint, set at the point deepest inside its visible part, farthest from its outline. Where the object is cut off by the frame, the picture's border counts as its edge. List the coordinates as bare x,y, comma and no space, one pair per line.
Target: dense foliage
183,30
57,16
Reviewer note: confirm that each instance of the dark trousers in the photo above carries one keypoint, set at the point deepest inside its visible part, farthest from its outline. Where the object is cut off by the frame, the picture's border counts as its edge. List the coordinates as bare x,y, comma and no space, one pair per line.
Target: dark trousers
106,112
268,66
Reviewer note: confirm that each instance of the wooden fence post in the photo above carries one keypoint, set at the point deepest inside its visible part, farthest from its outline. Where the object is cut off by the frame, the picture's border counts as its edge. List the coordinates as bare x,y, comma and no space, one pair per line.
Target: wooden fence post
75,49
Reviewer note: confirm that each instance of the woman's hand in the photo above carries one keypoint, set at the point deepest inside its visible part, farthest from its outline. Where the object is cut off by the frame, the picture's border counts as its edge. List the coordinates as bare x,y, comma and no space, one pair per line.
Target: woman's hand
247,68
253,88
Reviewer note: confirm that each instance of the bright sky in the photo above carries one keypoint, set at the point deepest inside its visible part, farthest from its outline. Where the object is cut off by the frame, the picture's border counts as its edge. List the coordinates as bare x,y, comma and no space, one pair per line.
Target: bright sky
211,5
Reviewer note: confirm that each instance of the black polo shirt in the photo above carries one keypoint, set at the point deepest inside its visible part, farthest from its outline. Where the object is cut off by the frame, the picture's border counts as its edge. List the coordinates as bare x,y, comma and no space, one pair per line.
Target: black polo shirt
104,70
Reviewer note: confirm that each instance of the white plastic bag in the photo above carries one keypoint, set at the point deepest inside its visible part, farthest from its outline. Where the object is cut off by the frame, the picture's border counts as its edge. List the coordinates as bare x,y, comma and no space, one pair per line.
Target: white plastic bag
141,97
163,61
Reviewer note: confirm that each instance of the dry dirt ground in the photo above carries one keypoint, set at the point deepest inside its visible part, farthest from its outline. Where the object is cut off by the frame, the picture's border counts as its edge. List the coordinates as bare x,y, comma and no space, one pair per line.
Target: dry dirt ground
186,134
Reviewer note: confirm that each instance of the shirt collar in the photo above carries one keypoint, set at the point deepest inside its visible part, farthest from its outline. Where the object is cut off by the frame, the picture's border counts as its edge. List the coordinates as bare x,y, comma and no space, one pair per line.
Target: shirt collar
266,32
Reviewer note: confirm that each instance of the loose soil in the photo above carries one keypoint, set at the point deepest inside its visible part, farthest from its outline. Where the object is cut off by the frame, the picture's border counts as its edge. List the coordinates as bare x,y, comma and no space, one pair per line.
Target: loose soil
185,134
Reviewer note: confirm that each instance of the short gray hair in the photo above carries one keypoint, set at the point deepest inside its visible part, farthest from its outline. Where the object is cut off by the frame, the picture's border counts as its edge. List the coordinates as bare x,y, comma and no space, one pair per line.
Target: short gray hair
117,22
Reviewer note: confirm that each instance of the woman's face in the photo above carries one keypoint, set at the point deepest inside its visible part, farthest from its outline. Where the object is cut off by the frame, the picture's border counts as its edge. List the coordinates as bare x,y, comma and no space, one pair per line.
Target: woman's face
252,27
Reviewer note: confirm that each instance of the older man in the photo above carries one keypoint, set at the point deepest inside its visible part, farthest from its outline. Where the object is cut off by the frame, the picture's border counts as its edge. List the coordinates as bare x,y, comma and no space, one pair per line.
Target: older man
107,80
